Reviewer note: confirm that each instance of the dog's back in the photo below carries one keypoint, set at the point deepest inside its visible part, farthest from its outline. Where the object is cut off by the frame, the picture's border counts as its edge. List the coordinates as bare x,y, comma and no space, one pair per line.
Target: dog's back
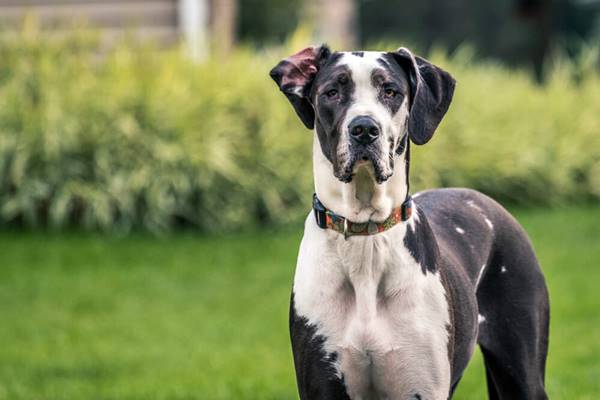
478,236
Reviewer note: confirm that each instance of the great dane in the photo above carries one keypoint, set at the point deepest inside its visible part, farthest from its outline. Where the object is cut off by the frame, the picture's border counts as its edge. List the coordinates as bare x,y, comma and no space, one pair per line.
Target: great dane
392,292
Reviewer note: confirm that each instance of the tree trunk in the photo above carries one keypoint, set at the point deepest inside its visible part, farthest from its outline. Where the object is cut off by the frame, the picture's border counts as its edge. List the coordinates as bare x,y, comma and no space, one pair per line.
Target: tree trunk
224,25
335,22
193,22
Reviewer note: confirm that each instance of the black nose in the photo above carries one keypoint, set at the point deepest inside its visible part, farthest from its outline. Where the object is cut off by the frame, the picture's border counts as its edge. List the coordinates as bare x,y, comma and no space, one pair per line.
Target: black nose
363,130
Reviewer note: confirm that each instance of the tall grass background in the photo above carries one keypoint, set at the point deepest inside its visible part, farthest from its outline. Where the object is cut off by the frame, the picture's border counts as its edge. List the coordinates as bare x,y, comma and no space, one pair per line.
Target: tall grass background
140,138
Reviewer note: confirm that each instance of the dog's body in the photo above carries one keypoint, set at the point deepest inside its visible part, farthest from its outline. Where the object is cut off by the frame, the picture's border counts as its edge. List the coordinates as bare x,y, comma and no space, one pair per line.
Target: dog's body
397,314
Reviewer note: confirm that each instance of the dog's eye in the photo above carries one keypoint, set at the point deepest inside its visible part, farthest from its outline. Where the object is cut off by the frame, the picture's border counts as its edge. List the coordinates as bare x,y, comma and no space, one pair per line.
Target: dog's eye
389,93
331,93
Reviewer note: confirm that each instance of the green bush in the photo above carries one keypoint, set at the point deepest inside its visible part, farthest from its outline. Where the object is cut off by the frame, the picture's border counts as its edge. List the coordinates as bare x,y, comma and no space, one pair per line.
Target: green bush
140,138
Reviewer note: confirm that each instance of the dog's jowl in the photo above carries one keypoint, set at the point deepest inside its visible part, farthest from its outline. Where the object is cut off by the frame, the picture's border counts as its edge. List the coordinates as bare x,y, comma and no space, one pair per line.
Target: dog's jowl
392,292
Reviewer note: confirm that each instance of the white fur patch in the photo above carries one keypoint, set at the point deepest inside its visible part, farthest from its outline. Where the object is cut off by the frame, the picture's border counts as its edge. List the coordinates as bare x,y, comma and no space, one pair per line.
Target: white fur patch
480,275
489,223
503,269
366,295
385,318
480,318
460,230
365,100
366,103
414,218
472,204
362,199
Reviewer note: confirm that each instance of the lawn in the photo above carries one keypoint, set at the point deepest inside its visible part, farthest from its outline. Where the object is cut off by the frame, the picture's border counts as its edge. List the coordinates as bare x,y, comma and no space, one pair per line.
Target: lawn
190,317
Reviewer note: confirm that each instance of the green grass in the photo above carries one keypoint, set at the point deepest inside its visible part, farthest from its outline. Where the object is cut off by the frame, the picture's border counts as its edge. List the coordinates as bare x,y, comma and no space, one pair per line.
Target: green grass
190,317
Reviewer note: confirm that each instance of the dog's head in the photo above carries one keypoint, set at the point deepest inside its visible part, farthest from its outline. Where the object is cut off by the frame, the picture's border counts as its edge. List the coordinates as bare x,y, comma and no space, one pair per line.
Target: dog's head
364,105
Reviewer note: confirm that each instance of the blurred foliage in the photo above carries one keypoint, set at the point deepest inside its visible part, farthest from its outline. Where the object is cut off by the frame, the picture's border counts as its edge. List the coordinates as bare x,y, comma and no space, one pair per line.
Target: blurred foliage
268,21
518,32
139,138
517,141
505,29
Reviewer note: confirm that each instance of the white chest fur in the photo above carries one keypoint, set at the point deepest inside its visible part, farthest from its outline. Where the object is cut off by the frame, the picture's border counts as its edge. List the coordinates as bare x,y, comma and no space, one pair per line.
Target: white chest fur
386,320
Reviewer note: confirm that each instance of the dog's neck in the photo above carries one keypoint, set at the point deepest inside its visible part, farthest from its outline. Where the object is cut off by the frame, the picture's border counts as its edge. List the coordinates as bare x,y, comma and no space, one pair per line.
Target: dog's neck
362,199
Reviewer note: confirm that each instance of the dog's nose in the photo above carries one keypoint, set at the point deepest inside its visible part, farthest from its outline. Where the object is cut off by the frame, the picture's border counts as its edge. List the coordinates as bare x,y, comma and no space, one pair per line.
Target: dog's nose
363,130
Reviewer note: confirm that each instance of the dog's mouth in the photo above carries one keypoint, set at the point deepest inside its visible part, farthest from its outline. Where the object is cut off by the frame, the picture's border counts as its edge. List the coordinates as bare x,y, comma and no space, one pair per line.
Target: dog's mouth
365,159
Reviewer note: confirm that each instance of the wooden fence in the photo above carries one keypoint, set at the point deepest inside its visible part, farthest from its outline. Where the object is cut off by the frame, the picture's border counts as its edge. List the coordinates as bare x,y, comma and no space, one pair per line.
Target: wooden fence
162,21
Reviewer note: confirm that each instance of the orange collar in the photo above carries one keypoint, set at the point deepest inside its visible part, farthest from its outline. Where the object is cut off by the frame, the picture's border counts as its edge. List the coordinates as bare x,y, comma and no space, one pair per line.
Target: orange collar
328,219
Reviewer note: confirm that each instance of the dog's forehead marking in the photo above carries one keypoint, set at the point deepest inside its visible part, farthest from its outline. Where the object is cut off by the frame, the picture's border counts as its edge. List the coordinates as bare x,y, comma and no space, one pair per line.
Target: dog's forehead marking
361,69
363,63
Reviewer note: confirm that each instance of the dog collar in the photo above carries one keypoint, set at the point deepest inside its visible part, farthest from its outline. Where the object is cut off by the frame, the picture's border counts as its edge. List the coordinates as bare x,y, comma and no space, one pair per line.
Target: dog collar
328,219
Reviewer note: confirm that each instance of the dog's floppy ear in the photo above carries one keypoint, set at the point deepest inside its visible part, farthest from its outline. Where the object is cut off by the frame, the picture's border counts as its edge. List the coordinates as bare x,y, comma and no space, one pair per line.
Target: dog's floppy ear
431,90
295,75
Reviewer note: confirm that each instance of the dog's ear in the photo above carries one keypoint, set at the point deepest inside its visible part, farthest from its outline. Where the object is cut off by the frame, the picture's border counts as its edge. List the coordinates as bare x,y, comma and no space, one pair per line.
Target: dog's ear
431,90
295,76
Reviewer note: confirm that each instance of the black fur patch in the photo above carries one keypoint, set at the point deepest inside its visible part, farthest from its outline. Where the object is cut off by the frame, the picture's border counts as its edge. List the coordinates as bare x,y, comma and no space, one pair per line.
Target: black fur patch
391,76
358,53
419,242
513,336
332,111
295,76
315,373
432,89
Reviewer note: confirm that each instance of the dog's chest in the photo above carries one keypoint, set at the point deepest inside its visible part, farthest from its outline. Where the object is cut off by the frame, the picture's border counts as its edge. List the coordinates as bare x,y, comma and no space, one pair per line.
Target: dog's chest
384,318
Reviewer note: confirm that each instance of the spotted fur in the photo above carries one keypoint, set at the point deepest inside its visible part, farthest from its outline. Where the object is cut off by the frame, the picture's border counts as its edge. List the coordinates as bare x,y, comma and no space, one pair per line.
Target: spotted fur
397,315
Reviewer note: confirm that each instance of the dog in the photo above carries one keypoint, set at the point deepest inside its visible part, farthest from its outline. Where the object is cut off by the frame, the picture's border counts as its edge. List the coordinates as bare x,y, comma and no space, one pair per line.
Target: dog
391,292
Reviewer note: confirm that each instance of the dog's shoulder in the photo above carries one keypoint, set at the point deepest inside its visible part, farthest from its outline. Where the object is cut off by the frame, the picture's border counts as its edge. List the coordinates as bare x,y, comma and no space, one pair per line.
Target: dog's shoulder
455,198
461,209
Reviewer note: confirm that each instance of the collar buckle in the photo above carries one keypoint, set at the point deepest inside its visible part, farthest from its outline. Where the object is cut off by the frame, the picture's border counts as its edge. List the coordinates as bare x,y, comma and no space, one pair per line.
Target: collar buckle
320,212
345,228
